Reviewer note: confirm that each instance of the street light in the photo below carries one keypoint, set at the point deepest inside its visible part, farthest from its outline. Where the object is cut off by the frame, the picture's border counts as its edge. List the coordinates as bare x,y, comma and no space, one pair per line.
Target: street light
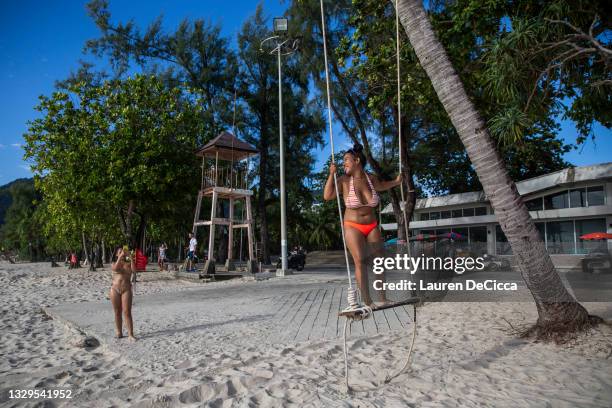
280,25
281,45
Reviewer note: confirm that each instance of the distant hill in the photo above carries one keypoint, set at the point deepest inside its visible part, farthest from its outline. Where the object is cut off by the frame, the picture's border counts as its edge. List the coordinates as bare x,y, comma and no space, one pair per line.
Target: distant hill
5,195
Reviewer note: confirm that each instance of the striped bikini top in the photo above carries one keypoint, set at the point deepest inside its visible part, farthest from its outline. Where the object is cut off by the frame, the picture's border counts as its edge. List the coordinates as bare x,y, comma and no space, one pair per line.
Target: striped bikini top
352,201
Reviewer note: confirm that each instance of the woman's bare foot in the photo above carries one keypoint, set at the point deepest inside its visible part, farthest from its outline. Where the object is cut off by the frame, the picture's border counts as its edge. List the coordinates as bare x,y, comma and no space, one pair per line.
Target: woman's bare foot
131,338
118,335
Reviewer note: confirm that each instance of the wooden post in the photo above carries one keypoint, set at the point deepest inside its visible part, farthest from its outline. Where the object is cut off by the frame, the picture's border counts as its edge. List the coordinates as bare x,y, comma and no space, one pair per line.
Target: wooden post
246,174
211,238
196,216
249,227
241,229
216,167
230,233
202,183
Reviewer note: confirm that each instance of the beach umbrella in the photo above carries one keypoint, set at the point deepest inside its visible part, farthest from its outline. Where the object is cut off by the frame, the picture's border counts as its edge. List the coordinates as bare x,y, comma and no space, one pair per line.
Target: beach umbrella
451,235
424,237
596,235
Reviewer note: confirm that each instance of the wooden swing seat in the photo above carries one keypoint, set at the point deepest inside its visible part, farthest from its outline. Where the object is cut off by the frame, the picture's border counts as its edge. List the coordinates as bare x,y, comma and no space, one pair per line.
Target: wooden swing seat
388,305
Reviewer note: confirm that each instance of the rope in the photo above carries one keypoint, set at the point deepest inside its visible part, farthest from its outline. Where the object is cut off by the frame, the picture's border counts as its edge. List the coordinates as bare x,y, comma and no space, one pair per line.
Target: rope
331,139
407,363
346,372
353,304
399,126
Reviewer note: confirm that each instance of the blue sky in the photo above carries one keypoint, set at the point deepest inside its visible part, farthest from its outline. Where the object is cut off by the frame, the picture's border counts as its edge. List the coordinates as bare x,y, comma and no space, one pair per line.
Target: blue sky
42,41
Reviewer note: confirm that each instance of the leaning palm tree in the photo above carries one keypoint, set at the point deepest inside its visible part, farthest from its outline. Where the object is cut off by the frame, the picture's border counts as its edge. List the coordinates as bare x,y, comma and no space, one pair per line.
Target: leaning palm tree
558,311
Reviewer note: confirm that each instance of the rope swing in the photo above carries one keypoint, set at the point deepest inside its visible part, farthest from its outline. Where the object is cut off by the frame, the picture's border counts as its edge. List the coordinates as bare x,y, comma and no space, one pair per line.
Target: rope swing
352,294
355,310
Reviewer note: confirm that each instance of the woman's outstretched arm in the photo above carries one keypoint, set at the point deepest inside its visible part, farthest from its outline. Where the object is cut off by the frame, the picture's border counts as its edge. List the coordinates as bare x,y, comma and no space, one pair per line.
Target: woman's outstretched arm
380,185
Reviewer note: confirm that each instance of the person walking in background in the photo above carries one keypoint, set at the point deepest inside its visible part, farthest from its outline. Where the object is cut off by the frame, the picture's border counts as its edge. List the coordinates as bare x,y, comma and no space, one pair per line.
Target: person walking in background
161,256
193,243
74,261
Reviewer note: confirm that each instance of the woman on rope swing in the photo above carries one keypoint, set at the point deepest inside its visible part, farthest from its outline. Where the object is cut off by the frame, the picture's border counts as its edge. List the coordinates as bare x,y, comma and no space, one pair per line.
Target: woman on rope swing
360,193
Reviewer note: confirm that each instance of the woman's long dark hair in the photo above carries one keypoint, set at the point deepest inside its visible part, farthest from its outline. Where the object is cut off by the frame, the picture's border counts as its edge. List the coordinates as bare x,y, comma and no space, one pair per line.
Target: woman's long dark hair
357,152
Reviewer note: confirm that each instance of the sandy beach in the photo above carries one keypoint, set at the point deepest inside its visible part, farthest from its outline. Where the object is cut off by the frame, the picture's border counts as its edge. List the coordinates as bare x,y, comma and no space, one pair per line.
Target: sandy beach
242,352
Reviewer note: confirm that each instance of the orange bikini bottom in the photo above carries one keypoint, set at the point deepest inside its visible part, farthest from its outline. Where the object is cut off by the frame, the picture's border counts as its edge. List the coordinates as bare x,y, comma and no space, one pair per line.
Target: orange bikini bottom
365,229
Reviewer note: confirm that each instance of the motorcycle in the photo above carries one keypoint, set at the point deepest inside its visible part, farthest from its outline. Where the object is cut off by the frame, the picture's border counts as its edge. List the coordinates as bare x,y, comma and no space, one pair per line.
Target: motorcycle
295,260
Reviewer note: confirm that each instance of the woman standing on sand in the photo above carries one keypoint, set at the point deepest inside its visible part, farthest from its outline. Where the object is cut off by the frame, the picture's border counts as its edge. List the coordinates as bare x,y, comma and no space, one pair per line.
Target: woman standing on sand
121,292
359,191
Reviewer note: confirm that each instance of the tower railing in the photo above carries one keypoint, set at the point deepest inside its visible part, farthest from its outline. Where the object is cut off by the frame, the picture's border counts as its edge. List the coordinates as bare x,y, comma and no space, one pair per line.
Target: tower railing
224,177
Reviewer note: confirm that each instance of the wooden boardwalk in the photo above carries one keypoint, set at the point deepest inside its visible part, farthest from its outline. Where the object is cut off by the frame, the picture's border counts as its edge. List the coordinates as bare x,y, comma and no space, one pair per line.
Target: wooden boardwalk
284,311
313,314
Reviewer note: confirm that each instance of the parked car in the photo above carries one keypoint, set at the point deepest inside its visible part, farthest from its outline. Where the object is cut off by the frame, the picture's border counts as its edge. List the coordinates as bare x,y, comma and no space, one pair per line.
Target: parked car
597,262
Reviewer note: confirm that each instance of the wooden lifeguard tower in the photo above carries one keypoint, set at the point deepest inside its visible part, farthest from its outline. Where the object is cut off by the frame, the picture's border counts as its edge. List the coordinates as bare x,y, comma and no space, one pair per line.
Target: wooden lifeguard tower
226,179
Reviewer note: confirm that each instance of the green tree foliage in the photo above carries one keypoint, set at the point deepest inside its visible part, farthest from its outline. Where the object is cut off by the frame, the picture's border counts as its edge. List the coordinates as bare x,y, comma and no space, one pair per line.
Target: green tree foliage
351,93
545,59
195,55
320,229
21,231
6,198
114,155
437,154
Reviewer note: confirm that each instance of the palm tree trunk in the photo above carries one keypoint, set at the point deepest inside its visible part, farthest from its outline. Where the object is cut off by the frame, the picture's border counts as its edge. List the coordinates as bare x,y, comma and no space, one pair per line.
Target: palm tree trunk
555,305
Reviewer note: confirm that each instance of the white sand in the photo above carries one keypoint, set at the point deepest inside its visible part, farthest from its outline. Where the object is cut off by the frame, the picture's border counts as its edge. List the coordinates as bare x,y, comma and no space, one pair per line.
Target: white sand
464,356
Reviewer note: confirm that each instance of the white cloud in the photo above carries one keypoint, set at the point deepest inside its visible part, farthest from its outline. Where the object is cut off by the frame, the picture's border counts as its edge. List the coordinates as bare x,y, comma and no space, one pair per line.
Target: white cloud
25,167
16,144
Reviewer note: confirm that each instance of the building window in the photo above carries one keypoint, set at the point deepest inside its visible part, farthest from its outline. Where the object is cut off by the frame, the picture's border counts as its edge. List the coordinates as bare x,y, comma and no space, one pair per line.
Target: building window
478,234
457,213
577,197
595,196
502,247
434,216
556,201
445,214
424,217
534,204
468,212
586,227
480,210
541,227
478,240
560,237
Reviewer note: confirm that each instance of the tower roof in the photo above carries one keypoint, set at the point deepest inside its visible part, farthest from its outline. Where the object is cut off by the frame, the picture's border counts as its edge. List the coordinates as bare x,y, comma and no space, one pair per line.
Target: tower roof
228,146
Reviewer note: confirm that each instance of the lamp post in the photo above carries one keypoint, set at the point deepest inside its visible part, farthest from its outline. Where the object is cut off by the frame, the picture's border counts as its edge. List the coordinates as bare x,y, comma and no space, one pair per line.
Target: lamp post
280,44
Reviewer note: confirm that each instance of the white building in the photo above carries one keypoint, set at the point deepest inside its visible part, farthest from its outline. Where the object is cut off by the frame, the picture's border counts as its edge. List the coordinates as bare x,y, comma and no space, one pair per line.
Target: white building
564,205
